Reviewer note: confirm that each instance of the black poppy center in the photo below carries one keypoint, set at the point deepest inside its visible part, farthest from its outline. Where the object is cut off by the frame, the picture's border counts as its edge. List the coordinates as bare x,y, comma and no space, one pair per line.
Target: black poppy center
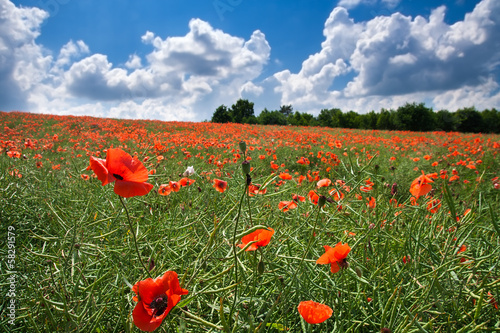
117,176
343,264
159,305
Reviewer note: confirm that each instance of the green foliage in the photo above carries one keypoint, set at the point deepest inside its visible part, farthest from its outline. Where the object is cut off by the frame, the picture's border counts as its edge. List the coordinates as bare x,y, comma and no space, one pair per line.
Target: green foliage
272,118
409,117
221,115
242,111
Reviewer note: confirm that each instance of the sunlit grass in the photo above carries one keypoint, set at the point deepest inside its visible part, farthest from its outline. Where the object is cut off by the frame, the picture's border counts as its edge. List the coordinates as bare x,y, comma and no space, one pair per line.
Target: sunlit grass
76,259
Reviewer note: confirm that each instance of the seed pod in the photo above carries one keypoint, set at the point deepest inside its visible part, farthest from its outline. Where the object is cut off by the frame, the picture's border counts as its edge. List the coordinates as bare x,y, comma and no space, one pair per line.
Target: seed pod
260,267
245,165
243,146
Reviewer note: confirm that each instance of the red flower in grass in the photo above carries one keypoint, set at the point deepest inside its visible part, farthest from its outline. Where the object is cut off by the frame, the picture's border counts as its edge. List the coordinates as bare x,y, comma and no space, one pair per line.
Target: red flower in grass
336,256
313,197
287,205
220,185
164,189
421,185
186,181
255,189
325,182
128,173
313,312
155,300
261,236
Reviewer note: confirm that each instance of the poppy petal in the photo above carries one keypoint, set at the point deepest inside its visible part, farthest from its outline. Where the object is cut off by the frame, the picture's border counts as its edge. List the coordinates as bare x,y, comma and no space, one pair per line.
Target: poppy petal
143,320
98,165
313,312
129,189
121,163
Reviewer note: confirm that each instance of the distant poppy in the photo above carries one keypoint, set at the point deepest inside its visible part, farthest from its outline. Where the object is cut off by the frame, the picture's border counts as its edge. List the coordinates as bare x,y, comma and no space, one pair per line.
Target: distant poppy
287,205
313,312
164,189
434,205
337,195
297,198
303,160
325,182
371,202
421,185
336,256
313,197
220,185
285,176
186,181
128,173
155,300
261,236
255,189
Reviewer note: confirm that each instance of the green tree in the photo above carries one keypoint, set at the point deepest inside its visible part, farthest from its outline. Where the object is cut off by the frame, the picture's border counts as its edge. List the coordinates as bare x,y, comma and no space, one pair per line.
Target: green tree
286,110
491,120
243,109
446,121
385,120
414,117
221,115
267,117
369,120
469,120
330,118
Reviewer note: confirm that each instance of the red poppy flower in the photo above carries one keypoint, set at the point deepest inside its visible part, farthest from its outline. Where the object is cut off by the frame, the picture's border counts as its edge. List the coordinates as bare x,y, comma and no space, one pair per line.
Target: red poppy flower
434,205
421,185
313,312
287,205
220,185
325,182
261,236
186,181
335,256
164,189
297,198
285,176
128,173
155,300
371,202
255,189
175,186
313,197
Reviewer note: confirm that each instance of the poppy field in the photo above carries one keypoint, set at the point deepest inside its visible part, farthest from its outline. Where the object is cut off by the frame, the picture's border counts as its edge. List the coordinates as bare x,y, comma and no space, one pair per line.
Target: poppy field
134,225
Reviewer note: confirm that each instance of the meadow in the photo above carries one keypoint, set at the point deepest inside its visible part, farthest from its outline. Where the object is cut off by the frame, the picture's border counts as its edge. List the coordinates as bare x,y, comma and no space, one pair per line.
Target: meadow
383,231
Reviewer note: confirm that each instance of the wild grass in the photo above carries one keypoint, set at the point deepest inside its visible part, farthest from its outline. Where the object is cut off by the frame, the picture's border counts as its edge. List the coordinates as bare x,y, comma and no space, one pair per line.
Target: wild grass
76,260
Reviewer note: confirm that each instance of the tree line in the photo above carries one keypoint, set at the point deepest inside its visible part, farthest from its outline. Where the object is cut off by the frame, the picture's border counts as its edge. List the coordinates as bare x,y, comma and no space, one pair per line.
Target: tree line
409,117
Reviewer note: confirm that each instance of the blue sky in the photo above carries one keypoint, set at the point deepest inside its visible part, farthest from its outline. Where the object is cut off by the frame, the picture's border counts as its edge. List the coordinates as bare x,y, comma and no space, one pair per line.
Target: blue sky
179,60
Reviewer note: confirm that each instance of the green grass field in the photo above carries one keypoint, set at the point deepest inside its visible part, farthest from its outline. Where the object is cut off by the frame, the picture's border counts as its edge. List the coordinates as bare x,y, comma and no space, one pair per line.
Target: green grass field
71,249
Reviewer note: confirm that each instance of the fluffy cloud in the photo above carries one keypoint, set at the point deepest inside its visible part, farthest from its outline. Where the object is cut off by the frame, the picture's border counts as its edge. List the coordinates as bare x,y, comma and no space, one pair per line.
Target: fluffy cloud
390,60
23,63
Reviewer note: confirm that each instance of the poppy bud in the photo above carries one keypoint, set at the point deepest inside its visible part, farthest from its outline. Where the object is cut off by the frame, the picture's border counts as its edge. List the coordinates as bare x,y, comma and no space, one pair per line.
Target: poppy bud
151,264
243,146
359,273
260,267
245,165
394,189
322,200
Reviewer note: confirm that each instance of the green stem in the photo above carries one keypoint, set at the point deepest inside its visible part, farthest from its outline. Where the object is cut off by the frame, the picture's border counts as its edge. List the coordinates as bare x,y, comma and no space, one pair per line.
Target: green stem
134,236
235,252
